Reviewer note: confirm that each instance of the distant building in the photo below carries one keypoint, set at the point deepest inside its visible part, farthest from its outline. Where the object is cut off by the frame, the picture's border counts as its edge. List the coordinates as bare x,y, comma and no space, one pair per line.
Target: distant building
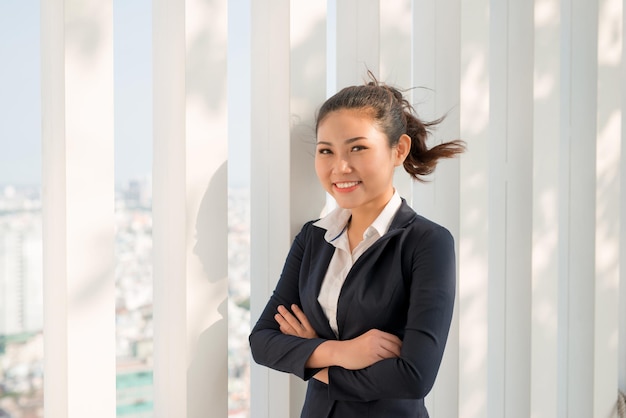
136,193
21,273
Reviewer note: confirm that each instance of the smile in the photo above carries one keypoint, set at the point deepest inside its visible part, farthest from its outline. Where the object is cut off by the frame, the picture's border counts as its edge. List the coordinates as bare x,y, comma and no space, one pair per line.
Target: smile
347,185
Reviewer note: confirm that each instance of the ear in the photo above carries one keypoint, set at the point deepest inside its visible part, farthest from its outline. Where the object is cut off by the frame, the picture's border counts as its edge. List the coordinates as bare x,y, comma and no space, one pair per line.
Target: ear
402,149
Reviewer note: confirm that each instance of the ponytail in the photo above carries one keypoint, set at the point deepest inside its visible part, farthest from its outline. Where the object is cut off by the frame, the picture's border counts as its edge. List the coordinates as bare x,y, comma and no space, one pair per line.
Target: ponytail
421,160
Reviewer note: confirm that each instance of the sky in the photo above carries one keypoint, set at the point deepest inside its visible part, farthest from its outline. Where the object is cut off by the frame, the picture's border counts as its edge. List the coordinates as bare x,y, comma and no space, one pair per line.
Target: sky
20,96
20,104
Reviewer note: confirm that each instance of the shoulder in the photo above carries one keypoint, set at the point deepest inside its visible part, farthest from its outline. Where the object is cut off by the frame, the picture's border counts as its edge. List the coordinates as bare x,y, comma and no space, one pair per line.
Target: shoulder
424,236
310,231
417,225
420,234
428,227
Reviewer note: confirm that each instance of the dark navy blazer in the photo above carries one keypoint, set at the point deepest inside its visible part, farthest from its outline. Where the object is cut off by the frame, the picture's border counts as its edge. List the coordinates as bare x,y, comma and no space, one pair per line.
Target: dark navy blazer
403,284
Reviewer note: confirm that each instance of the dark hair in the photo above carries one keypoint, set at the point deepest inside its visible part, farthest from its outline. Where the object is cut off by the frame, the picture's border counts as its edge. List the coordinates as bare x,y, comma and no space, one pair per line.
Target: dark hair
395,116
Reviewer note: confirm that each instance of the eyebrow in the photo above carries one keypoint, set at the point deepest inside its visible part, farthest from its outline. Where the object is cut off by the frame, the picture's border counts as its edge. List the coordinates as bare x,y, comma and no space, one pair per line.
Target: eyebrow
347,141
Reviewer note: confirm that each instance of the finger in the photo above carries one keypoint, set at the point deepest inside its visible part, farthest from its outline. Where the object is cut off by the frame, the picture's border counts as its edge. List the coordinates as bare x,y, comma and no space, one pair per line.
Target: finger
394,351
291,319
307,329
389,345
287,316
281,321
390,337
284,326
392,348
301,316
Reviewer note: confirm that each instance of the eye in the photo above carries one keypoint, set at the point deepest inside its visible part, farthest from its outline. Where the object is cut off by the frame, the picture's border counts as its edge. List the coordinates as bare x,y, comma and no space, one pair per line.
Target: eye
324,151
357,148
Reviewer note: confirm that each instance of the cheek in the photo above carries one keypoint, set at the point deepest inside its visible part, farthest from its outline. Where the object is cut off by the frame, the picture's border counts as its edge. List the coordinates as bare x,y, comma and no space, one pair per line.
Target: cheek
379,169
319,169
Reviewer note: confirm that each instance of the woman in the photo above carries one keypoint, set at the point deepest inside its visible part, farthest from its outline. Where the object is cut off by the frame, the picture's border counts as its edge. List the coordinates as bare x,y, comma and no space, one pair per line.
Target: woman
364,303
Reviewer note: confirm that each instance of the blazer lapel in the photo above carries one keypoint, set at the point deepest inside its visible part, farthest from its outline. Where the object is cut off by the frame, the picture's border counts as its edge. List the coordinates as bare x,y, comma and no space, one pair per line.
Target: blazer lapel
351,284
404,216
318,270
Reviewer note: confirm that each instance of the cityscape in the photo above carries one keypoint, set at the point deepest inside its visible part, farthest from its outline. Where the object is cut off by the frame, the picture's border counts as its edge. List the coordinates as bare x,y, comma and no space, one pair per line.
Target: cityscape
21,302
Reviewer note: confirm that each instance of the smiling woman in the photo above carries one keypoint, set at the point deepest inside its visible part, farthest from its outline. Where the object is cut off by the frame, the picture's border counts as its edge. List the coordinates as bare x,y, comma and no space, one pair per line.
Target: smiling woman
370,286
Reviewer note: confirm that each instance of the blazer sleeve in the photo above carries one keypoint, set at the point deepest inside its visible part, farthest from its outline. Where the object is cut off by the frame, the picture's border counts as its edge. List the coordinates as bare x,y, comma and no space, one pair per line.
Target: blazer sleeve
432,281
268,345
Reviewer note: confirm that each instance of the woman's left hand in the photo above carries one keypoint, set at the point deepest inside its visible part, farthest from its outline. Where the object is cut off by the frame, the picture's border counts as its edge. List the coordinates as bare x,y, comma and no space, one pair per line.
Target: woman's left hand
295,324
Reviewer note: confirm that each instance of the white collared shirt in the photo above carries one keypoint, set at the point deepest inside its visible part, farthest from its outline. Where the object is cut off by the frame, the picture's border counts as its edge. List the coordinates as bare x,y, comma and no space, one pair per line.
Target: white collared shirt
335,224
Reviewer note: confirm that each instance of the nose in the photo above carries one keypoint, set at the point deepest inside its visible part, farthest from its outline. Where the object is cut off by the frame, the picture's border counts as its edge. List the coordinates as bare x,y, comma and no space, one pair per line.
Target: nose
342,165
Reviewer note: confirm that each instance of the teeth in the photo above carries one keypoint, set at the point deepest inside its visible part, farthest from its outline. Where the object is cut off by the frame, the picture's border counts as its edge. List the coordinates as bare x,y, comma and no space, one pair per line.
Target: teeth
347,184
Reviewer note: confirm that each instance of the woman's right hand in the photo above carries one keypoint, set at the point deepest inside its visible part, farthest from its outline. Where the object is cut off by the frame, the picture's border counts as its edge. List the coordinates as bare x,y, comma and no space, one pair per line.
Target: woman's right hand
296,324
367,349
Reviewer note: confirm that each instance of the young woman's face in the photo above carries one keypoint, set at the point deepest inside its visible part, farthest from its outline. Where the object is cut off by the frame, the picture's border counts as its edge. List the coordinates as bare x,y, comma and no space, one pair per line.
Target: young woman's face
354,161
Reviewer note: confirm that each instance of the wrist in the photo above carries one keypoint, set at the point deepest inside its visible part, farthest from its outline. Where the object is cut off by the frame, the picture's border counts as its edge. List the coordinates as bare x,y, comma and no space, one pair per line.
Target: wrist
335,353
326,354
338,354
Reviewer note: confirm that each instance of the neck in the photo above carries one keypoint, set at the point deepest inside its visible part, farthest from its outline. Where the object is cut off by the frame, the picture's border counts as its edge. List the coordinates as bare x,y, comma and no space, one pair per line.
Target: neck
363,216
361,220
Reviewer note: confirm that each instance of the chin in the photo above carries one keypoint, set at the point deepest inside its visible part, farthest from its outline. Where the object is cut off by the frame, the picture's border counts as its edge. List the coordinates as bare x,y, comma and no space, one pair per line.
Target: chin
342,203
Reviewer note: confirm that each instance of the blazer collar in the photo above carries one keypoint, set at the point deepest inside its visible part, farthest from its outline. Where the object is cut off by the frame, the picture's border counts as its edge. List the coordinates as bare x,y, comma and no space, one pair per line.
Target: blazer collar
404,216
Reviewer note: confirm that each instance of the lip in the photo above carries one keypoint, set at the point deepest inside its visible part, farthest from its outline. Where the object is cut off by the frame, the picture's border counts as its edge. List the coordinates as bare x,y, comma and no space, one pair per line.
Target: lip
346,186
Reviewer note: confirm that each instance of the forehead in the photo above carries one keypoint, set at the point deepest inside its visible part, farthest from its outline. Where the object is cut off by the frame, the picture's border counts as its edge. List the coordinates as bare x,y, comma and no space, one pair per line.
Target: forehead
347,123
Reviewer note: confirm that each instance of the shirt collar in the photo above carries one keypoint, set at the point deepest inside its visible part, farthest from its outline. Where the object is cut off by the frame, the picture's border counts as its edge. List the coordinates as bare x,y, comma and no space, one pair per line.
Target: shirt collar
383,221
335,222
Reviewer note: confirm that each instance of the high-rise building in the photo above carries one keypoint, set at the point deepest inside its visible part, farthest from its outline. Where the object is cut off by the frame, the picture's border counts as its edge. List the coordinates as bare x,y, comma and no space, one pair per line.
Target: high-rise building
21,284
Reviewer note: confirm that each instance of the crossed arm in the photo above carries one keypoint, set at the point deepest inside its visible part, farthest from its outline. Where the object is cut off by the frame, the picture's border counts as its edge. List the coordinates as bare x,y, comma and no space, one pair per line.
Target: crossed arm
374,365
357,353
